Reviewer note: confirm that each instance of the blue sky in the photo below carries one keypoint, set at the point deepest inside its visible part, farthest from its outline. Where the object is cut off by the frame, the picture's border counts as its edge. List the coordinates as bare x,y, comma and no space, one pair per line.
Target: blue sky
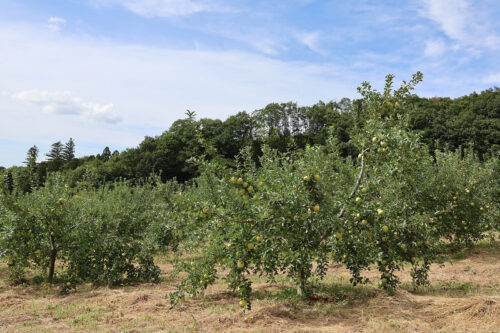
109,72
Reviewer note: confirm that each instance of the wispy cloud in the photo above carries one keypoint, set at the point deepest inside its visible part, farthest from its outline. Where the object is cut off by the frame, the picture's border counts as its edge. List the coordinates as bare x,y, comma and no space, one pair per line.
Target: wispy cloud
167,8
492,78
55,23
310,39
81,75
247,54
463,22
57,20
65,103
434,48
261,41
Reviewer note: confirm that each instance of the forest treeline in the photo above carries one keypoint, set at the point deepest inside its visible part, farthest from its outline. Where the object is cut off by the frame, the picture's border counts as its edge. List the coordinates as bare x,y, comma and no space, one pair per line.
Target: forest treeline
444,124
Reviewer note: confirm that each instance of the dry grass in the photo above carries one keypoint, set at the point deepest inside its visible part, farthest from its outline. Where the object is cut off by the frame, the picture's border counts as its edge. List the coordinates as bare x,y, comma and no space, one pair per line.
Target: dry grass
464,296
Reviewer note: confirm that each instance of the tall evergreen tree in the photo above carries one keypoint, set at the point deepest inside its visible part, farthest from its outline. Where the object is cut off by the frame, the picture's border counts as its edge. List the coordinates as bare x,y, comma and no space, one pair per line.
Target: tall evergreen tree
9,181
68,152
33,175
106,154
55,151
32,156
55,157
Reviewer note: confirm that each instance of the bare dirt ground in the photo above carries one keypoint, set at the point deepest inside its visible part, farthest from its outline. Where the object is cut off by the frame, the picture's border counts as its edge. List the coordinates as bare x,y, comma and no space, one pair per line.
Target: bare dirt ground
464,296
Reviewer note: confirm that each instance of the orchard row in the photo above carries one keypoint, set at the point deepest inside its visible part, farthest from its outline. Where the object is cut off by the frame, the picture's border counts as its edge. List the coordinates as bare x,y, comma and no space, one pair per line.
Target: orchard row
288,214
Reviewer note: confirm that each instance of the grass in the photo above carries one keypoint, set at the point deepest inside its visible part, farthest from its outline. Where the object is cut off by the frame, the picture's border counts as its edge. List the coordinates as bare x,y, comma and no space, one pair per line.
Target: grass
464,295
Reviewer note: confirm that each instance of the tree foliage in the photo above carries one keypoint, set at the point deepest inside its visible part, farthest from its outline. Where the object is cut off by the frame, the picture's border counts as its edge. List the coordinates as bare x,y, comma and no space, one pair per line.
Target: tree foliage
390,207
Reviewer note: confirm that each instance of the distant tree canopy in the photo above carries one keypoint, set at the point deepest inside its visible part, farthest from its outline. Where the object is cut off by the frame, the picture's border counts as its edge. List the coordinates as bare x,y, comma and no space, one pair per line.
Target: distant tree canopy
469,120
444,123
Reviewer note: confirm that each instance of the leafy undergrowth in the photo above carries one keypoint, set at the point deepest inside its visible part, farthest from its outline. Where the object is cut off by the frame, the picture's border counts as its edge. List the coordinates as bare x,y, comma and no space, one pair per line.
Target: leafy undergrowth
464,295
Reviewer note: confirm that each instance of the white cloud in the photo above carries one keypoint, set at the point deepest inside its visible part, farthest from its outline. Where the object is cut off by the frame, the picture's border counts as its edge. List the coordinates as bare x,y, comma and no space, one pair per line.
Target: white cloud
434,48
150,86
451,15
57,20
65,103
463,22
166,8
53,27
492,78
310,39
55,23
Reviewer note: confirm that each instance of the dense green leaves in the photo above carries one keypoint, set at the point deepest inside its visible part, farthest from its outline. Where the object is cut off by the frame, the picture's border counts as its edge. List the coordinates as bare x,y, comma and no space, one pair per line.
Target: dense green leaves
282,192
291,212
105,235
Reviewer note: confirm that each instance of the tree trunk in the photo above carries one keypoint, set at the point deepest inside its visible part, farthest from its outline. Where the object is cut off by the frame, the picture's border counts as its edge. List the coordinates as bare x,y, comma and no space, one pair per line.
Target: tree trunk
53,256
300,290
301,285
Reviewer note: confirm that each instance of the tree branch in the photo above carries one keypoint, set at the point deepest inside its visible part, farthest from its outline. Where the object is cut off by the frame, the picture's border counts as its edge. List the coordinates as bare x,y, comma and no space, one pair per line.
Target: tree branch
358,182
356,186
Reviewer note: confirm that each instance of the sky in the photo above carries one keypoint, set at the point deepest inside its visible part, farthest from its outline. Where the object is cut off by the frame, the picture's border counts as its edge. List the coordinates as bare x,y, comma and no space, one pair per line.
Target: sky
110,72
